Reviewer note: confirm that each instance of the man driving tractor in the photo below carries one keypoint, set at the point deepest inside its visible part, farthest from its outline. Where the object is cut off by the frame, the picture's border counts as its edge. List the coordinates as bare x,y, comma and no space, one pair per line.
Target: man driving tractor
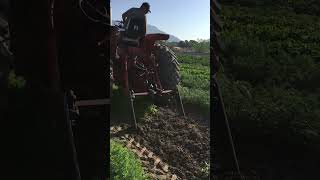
135,21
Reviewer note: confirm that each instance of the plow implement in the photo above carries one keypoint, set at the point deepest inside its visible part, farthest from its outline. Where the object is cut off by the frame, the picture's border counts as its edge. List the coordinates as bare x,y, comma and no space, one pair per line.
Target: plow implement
152,164
171,93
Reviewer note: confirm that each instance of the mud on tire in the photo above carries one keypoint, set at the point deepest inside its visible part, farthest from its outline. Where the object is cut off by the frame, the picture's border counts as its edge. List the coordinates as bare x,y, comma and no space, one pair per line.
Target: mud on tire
168,67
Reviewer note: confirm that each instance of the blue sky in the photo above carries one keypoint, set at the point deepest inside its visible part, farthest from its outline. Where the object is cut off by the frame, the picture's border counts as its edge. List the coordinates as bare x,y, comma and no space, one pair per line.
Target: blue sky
185,19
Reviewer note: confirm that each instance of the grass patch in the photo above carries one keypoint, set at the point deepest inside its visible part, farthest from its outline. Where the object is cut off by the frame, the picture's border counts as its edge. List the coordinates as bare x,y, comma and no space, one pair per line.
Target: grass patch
124,164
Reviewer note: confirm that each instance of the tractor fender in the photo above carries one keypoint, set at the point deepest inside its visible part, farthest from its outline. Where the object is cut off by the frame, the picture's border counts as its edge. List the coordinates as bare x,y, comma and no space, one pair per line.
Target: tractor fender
150,39
156,37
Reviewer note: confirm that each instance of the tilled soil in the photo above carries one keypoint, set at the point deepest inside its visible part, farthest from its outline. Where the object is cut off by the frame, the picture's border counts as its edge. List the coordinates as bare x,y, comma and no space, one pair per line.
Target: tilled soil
180,142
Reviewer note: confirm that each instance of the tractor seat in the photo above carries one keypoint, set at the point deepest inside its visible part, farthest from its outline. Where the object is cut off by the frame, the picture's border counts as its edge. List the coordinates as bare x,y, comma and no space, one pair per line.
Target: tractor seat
135,42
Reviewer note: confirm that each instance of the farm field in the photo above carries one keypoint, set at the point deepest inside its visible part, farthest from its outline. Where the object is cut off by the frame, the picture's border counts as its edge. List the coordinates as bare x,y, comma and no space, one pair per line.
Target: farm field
195,81
182,143
272,68
270,87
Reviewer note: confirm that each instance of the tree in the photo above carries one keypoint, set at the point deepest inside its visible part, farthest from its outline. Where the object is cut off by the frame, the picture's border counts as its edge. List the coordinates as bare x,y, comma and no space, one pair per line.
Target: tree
182,44
187,43
201,46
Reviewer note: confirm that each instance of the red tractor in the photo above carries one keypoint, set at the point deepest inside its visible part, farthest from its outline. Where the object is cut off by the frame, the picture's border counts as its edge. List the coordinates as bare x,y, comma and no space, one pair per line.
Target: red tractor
143,66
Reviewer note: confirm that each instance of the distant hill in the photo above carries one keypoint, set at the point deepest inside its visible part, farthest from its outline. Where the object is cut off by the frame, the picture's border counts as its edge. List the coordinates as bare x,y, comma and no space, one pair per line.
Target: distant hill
153,29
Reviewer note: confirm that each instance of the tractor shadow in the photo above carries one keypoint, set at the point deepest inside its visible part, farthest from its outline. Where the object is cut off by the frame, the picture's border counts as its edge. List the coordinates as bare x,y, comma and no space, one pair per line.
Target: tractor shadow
121,108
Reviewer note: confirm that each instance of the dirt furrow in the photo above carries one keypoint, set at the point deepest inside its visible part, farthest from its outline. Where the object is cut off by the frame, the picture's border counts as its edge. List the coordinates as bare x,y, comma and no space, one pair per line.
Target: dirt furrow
181,142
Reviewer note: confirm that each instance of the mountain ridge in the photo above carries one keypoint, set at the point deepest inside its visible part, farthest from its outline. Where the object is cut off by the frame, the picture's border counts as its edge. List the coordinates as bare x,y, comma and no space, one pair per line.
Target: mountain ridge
151,29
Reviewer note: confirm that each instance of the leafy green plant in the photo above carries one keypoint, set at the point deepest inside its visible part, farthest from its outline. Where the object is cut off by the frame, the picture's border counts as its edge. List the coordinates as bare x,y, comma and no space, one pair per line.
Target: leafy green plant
206,168
151,110
15,81
124,164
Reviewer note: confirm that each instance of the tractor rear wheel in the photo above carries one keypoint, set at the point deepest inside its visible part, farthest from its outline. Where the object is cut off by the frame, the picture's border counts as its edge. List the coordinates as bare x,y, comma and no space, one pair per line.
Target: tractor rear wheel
169,76
168,67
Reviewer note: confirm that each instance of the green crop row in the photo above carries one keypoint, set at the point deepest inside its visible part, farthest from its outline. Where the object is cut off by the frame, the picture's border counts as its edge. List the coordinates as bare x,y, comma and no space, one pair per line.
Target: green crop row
195,81
277,29
271,72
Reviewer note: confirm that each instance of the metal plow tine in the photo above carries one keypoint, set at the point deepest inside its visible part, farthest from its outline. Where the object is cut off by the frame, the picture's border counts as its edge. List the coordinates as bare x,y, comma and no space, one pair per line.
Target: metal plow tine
179,103
174,102
133,114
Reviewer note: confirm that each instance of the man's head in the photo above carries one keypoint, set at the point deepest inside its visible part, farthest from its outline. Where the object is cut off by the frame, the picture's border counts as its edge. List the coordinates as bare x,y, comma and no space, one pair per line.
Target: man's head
146,7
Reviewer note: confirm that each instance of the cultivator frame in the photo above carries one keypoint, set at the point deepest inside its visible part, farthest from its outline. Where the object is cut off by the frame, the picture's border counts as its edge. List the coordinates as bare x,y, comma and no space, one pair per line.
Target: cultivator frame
133,95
